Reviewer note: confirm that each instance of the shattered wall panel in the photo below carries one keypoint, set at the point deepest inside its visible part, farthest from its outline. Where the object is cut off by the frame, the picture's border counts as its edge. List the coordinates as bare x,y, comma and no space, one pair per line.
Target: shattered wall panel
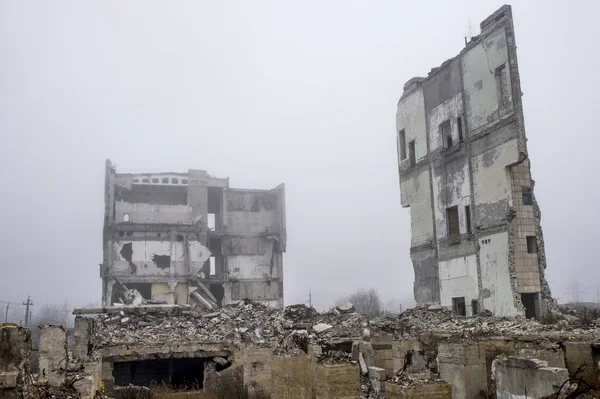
458,278
479,66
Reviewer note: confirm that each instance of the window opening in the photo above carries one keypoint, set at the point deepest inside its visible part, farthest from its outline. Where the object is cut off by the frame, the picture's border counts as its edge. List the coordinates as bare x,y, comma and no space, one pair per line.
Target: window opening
165,180
458,306
155,180
527,196
126,217
211,221
213,266
474,307
452,218
468,218
528,301
411,152
175,181
460,128
402,143
531,245
446,130
502,83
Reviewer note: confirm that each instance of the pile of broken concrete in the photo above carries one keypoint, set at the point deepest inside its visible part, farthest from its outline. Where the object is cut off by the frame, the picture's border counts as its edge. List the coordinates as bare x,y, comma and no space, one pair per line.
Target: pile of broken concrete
246,321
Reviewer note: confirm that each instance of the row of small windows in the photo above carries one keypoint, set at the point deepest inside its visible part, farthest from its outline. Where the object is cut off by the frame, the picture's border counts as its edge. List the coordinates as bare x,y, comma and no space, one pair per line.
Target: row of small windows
445,131
165,180
503,94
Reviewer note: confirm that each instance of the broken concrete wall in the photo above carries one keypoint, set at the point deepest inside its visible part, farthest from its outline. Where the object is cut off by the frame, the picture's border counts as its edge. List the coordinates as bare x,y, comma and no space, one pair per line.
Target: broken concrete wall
479,65
526,378
383,353
54,357
458,278
433,390
257,369
579,359
426,286
15,343
291,377
463,366
337,381
399,351
497,290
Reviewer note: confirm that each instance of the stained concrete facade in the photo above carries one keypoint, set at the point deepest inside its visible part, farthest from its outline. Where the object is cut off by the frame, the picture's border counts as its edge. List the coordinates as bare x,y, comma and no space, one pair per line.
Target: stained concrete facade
464,171
164,232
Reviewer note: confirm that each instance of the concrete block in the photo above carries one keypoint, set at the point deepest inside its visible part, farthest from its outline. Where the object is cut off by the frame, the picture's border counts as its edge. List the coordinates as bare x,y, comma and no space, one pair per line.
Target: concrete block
291,377
363,365
580,362
554,357
355,350
337,381
377,373
367,351
8,379
531,378
434,390
321,327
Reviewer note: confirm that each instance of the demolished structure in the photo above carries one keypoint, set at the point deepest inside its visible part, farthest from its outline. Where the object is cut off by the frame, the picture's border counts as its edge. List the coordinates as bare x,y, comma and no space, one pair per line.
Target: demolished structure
464,169
179,237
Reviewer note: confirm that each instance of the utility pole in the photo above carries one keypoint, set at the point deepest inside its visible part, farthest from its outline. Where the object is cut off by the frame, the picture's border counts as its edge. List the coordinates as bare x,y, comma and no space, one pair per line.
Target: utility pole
6,313
309,299
27,314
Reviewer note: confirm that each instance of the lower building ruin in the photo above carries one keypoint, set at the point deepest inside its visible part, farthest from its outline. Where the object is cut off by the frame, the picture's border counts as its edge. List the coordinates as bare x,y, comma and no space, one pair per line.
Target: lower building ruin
249,350
180,237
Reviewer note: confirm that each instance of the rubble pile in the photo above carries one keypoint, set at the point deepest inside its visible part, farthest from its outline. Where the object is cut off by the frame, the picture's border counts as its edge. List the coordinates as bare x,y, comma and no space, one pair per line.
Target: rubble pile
422,320
247,321
298,325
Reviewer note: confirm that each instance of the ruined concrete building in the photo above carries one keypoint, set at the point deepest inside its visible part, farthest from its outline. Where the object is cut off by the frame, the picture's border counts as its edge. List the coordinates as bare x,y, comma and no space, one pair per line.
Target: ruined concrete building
465,174
168,235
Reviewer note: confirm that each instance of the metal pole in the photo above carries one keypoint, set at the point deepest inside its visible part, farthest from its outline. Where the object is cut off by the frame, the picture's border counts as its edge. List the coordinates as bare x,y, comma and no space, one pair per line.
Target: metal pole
6,313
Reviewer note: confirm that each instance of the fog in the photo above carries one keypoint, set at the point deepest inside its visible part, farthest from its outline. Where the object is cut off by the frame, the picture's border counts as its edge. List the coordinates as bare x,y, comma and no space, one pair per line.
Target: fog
265,92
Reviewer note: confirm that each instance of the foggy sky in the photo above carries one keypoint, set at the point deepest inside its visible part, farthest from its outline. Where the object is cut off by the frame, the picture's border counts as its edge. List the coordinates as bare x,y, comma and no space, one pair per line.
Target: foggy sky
265,92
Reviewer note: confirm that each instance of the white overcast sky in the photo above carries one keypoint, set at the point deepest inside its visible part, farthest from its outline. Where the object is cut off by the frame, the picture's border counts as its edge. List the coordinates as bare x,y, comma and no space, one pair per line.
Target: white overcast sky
265,92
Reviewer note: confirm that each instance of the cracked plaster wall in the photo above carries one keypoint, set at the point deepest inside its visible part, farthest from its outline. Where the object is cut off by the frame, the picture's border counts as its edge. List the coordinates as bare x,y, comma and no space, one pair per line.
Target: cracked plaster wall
491,182
497,292
411,118
416,194
458,278
479,66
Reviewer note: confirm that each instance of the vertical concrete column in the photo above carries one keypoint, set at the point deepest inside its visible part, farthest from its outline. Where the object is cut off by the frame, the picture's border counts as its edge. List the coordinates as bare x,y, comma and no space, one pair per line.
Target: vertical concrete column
53,355
83,335
107,300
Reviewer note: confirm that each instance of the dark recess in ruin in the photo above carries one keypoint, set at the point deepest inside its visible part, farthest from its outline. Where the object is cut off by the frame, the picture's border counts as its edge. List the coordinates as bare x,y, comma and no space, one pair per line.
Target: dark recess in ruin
127,254
162,261
175,373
